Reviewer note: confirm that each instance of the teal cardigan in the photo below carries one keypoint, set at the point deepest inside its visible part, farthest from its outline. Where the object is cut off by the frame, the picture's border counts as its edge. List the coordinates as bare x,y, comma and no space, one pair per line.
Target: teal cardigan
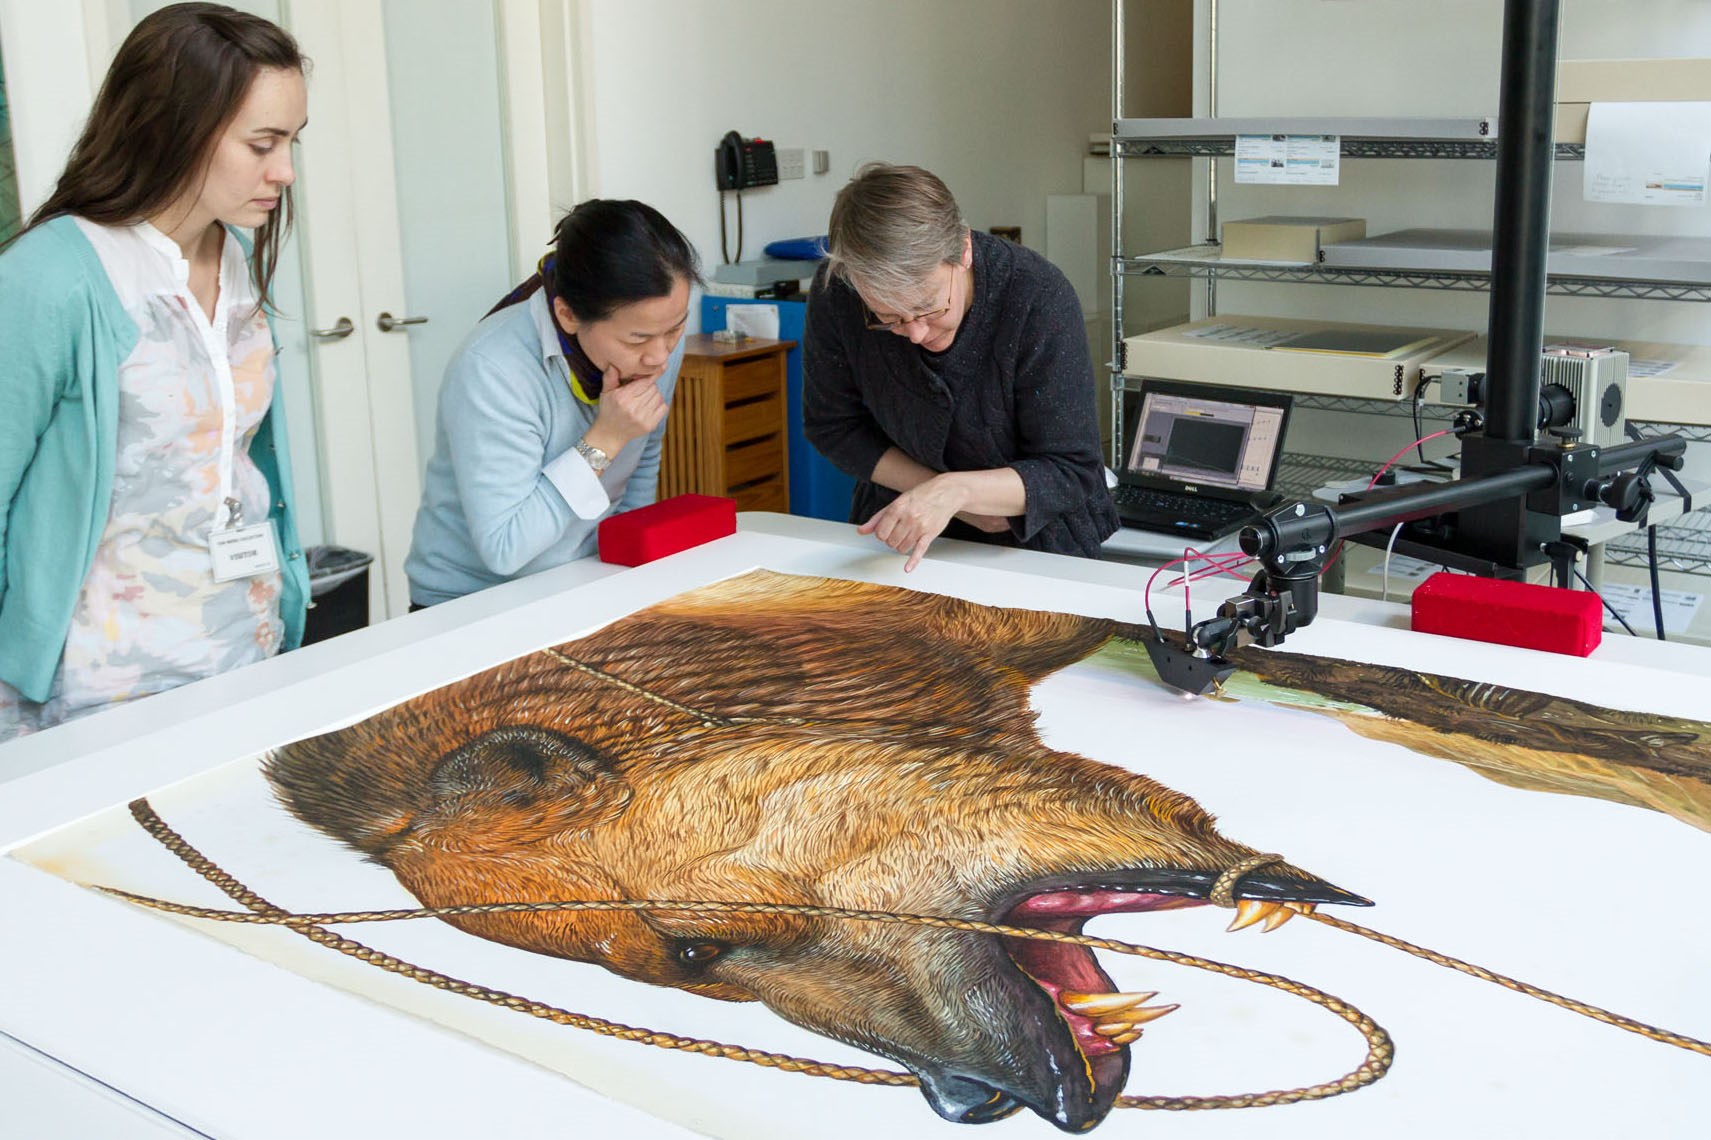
63,336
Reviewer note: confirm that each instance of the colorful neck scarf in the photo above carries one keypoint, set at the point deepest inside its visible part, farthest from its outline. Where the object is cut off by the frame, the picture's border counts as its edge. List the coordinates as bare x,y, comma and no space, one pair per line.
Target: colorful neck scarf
585,378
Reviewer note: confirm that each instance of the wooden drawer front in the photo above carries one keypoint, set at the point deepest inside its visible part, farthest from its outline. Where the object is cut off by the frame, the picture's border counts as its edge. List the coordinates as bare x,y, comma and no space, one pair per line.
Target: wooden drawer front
767,495
749,378
754,418
747,462
692,452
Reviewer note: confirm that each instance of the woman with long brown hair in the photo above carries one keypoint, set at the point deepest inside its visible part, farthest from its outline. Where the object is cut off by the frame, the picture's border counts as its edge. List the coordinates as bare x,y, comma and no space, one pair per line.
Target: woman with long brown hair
146,529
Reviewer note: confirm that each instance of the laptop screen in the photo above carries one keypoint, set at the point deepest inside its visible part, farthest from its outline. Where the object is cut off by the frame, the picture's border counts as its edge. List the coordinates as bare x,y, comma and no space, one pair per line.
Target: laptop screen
1206,435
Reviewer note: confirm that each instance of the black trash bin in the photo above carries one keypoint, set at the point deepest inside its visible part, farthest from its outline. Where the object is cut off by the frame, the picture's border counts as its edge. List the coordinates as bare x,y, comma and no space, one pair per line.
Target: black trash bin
338,592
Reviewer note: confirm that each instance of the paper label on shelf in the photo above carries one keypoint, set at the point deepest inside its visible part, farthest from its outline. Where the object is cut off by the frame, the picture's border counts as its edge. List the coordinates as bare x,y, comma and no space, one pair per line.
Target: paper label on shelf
1289,160
1243,334
1634,603
1651,154
1406,569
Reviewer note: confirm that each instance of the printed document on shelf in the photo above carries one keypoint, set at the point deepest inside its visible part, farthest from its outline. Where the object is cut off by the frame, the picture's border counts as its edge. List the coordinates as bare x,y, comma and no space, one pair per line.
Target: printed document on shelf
1634,603
1289,160
1651,154
1244,334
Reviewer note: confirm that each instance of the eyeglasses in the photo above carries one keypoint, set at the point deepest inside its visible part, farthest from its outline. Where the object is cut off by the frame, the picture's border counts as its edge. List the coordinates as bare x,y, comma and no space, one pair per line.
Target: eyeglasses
875,324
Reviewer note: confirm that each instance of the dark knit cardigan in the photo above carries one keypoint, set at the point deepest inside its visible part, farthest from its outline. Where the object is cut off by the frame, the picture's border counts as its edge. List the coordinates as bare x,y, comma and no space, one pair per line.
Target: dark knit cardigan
1015,389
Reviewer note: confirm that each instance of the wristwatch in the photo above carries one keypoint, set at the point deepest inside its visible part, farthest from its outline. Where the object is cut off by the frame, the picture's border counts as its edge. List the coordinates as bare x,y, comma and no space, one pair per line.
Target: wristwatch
597,459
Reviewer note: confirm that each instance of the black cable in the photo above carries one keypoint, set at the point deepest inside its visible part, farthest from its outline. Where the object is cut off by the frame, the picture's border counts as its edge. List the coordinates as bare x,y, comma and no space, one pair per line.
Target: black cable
1607,605
1419,398
739,225
724,247
1657,593
1420,432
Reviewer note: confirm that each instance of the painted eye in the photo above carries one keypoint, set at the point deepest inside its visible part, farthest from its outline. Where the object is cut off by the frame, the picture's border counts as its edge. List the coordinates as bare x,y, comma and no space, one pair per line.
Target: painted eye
700,953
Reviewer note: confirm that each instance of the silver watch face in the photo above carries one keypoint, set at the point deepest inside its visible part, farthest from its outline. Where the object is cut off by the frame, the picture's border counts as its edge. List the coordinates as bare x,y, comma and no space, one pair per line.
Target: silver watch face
597,459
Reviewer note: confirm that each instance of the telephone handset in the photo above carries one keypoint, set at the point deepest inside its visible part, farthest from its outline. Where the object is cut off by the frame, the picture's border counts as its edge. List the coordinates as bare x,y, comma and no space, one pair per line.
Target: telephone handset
740,163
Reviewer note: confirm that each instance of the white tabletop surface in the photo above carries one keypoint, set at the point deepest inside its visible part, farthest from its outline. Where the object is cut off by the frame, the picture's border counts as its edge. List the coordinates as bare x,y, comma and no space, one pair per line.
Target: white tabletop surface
42,1097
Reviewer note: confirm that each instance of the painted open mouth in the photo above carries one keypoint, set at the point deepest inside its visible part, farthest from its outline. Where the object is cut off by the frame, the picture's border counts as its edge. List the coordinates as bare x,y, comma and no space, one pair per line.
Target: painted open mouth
1099,1022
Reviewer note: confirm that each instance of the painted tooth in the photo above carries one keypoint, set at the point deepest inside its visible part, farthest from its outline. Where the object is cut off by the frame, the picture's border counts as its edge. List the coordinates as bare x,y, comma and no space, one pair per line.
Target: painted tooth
1100,1005
1128,1038
1277,918
1302,907
1250,911
1151,1013
1113,1028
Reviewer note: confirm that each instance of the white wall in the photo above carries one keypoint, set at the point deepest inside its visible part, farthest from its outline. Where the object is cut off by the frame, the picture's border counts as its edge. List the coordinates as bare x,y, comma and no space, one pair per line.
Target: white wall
48,75
997,97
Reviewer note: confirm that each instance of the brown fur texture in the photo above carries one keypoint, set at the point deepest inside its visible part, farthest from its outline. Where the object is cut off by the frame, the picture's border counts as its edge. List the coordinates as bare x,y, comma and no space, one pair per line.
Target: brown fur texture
876,750
1517,737
799,740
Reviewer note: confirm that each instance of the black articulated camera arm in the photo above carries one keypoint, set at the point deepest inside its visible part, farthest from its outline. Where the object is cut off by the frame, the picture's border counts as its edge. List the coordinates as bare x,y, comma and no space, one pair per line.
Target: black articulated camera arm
1293,543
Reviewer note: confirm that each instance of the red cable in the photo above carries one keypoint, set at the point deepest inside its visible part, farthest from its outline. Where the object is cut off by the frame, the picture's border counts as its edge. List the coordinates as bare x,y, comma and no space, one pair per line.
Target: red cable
1220,563
1374,482
1422,440
1227,562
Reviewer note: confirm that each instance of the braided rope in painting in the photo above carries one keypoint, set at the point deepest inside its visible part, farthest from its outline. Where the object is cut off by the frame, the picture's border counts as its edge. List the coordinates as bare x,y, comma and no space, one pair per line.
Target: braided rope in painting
1379,1056
1380,1051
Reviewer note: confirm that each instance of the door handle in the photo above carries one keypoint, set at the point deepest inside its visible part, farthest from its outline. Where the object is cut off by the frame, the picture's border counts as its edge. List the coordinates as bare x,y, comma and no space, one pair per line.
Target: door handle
390,323
339,331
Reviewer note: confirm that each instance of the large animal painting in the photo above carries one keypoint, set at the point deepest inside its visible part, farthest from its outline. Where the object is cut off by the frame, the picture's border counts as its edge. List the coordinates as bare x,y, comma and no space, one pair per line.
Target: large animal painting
777,739
797,740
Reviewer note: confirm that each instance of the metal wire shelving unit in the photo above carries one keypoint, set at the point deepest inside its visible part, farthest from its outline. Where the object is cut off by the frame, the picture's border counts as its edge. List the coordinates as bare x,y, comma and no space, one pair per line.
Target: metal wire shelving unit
1684,543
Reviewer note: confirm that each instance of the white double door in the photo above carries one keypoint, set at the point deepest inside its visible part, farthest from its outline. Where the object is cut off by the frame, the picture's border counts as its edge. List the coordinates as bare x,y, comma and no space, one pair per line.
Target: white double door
425,183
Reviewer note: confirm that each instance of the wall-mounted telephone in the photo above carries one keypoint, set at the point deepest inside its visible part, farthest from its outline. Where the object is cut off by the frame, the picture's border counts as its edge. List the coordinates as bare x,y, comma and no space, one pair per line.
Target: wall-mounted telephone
740,163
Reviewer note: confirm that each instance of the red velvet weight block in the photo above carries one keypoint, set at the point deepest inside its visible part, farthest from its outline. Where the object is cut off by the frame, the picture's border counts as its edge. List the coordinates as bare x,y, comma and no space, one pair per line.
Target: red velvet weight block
1509,613
665,527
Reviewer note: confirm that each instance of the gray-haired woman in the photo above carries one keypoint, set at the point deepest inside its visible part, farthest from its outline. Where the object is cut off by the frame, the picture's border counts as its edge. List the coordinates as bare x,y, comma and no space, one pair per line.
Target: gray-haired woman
948,372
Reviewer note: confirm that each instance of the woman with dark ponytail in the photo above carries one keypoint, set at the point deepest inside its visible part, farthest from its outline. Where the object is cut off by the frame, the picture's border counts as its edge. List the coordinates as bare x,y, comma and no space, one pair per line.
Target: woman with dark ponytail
553,408
146,535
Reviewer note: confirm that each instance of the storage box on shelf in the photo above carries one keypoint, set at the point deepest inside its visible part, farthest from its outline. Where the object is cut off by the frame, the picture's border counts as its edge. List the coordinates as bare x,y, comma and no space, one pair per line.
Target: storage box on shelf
1583,82
1365,361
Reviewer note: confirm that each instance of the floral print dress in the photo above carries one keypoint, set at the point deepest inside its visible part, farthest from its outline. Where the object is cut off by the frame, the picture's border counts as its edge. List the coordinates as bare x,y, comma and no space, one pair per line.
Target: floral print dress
150,616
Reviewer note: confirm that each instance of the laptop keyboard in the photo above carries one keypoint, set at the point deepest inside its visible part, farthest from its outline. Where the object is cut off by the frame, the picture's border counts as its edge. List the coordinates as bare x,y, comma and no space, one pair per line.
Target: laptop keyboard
1166,505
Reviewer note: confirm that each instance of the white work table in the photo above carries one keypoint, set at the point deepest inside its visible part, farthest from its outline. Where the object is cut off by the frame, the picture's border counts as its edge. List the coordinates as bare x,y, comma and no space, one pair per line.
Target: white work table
69,772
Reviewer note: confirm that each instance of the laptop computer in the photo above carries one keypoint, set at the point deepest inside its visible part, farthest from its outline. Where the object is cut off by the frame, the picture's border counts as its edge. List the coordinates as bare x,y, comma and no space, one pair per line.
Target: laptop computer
1199,460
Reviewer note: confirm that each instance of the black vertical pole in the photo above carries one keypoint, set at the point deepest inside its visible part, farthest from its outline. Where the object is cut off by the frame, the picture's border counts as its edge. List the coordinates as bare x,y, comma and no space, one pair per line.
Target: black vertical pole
1507,533
1521,225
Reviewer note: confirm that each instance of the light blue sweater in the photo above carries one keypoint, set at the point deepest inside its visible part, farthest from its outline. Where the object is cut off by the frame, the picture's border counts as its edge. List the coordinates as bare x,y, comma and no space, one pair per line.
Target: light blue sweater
496,500
63,336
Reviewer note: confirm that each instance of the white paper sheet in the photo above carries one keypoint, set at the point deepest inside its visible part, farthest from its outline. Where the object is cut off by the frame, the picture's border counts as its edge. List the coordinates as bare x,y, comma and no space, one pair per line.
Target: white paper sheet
1652,154
1243,334
1634,603
753,320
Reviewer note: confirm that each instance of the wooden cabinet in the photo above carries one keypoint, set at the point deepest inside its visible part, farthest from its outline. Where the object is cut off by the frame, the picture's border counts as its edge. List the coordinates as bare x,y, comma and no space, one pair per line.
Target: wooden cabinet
728,425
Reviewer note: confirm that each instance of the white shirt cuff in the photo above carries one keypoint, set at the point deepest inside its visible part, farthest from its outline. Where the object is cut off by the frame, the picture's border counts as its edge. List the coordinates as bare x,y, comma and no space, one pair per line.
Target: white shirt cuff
576,481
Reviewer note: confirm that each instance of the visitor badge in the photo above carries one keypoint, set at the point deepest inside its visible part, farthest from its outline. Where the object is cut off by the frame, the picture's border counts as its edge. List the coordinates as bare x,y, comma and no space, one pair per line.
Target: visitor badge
243,551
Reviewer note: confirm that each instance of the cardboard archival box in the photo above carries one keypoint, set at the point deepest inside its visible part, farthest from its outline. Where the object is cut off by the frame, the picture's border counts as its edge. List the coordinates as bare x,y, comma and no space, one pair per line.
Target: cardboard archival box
1326,357
1281,238
1583,82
